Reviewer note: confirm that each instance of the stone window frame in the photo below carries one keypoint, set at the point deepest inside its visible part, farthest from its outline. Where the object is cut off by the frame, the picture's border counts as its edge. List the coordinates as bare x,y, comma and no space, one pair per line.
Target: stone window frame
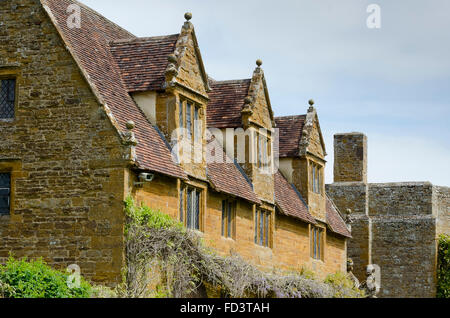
259,139
196,107
267,226
183,204
226,232
316,177
11,73
317,244
13,167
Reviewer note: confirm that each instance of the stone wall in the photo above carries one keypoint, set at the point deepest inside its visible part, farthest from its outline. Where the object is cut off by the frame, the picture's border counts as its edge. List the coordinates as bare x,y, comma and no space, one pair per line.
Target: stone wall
354,196
350,158
441,206
64,154
403,238
395,225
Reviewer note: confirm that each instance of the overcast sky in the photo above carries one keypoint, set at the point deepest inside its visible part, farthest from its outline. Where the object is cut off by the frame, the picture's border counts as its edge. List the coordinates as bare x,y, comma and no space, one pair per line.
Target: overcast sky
391,83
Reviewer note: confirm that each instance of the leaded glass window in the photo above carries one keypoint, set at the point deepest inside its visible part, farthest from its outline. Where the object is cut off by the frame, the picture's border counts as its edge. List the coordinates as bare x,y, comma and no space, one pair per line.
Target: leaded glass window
5,193
7,98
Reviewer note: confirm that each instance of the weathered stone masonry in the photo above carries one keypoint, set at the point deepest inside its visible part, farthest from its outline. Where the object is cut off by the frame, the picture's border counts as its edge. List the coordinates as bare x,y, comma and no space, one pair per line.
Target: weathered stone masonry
65,155
395,226
74,154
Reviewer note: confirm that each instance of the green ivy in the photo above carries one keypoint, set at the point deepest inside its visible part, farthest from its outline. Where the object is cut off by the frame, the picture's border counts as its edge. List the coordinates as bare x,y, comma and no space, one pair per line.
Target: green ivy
443,288
143,215
35,279
343,286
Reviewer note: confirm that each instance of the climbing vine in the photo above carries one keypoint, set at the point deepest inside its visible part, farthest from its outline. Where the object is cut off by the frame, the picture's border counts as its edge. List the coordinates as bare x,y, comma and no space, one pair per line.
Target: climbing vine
443,272
166,260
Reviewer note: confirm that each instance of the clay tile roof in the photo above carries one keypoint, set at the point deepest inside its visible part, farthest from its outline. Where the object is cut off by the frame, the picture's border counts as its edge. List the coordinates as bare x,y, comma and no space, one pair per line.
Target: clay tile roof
335,221
291,129
228,177
143,62
289,200
90,47
226,103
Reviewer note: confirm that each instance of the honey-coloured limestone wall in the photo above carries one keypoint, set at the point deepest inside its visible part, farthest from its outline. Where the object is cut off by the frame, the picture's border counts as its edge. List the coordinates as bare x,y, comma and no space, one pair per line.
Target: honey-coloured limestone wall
65,156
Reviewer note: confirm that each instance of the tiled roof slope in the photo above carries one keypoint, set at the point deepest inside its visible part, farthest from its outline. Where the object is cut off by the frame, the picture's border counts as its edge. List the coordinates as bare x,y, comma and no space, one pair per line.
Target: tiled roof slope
226,103
143,62
290,129
89,46
289,201
228,177
335,221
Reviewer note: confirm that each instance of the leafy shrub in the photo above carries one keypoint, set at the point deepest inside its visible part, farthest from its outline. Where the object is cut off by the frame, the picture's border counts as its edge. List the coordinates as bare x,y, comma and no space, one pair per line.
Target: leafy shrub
443,273
343,286
23,279
143,215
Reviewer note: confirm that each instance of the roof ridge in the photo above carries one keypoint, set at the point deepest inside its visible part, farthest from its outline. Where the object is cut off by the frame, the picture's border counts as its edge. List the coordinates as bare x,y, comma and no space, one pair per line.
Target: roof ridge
142,39
290,116
232,81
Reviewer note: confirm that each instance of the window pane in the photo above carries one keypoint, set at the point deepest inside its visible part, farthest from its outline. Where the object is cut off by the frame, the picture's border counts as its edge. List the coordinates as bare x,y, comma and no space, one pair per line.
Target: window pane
196,125
267,229
189,221
319,243
197,210
189,120
319,181
255,146
315,243
7,98
261,228
181,205
5,191
180,114
260,146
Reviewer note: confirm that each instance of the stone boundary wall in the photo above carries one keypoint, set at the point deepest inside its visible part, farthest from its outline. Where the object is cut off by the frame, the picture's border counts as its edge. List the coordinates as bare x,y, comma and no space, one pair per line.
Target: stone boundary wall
441,206
403,238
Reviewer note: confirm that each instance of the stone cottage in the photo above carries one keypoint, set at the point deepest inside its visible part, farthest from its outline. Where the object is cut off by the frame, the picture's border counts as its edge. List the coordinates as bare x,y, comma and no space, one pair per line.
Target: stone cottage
90,114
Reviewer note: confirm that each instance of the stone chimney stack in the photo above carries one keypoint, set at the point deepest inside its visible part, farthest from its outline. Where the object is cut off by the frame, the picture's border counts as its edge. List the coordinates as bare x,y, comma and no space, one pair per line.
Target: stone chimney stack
350,157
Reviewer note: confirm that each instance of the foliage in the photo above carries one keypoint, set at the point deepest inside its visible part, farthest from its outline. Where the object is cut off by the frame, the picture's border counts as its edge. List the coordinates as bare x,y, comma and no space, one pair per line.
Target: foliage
343,286
166,260
443,289
34,279
145,216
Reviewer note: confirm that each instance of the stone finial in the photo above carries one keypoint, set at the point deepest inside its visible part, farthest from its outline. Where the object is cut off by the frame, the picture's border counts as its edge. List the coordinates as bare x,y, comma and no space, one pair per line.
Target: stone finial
129,137
188,16
370,286
350,274
130,125
172,59
311,106
259,62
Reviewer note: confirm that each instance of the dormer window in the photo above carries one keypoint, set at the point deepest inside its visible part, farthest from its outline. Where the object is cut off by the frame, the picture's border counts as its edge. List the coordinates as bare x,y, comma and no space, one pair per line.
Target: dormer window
316,178
7,98
263,151
189,119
